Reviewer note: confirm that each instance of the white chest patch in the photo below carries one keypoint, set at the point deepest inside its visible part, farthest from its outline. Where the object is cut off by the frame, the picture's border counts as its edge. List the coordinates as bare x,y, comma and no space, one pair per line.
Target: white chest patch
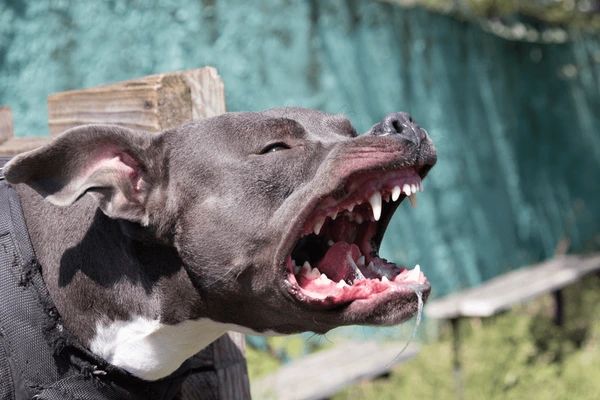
151,350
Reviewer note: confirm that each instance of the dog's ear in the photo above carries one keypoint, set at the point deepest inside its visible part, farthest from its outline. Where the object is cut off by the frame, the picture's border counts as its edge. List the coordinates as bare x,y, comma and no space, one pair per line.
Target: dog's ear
118,166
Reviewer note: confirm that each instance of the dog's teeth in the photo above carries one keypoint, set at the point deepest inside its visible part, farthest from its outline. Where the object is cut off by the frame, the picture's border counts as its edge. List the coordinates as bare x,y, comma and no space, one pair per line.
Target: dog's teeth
330,243
314,274
413,199
414,274
341,284
358,218
375,201
333,215
323,278
361,261
306,269
396,191
413,188
318,225
297,268
350,207
406,189
385,279
420,186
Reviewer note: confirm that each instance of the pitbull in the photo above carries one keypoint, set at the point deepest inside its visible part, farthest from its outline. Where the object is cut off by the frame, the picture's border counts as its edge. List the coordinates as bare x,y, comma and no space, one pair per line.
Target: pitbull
153,246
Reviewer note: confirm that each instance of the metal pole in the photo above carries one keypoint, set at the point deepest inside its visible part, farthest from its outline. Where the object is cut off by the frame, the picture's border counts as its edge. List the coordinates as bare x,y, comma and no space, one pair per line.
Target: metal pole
456,360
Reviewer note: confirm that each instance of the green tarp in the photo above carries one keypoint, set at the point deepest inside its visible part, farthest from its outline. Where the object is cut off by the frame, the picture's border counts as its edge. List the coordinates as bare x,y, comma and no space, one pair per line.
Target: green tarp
516,124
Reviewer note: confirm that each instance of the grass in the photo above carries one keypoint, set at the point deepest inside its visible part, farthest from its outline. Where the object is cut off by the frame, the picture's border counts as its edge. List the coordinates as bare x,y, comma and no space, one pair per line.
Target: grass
520,354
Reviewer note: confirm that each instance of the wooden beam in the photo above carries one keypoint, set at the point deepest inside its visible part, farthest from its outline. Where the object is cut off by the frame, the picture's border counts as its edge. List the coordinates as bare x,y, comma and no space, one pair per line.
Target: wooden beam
16,145
515,287
152,103
6,124
322,374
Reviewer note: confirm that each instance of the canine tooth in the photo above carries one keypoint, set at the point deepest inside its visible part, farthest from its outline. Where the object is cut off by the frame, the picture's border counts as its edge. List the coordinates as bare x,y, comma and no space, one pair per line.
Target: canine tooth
333,215
375,201
413,199
361,260
414,274
306,268
406,189
396,191
318,225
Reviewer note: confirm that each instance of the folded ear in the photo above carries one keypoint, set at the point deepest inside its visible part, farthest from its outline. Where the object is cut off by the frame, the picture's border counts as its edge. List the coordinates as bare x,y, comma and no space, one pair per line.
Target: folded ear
118,166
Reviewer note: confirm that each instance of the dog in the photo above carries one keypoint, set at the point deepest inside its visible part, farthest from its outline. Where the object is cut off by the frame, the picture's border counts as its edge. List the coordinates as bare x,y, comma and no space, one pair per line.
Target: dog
150,247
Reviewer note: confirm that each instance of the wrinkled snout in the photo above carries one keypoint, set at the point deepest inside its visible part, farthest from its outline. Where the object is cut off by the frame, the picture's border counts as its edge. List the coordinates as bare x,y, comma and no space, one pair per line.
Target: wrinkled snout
402,126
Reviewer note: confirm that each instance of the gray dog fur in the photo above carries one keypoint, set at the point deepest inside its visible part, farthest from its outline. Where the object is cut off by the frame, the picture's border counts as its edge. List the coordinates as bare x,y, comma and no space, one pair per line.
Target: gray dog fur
190,224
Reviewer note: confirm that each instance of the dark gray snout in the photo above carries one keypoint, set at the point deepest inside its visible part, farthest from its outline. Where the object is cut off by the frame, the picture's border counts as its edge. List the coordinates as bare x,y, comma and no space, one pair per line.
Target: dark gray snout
401,124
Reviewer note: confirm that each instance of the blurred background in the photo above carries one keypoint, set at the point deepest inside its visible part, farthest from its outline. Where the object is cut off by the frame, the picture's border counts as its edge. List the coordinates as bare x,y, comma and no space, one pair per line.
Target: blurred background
509,90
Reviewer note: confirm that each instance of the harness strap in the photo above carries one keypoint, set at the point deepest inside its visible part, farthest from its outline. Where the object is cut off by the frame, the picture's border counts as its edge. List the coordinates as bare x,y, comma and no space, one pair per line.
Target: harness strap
32,364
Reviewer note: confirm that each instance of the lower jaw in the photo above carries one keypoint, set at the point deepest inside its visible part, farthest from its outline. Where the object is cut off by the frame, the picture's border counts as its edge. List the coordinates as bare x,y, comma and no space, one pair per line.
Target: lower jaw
382,309
317,292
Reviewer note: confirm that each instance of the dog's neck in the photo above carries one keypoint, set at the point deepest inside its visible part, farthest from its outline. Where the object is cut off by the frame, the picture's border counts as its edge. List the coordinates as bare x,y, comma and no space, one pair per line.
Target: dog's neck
150,349
130,302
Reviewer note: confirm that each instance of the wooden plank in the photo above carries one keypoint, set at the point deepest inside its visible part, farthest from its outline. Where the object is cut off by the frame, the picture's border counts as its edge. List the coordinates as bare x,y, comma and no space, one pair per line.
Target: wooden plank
18,145
152,103
322,374
515,287
6,124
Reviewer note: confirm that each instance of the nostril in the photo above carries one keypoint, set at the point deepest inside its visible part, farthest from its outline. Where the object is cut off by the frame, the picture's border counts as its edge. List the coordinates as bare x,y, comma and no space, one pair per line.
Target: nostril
401,124
397,125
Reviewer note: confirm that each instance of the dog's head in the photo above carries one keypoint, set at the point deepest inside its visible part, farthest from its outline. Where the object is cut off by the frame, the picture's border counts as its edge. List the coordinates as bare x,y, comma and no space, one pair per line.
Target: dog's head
276,216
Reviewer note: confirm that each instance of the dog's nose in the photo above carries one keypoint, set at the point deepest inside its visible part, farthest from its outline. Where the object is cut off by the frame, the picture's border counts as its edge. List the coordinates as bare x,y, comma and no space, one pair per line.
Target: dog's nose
401,124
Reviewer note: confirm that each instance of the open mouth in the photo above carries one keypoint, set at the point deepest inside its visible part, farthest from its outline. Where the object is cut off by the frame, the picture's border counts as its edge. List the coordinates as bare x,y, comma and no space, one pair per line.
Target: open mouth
335,259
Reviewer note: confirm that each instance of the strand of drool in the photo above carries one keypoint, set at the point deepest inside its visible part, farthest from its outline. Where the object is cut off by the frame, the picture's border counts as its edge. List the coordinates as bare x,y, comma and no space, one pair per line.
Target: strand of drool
419,294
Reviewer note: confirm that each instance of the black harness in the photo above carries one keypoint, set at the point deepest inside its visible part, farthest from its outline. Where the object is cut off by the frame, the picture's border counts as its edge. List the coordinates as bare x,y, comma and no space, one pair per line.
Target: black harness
39,358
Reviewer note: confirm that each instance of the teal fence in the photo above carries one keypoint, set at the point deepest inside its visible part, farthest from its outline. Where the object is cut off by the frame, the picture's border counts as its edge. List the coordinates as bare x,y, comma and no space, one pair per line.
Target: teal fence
517,125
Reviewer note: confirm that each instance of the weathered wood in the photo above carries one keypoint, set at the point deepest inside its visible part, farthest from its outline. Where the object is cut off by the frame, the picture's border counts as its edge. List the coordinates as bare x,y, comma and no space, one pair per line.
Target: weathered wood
514,287
18,145
6,124
322,374
152,103
10,145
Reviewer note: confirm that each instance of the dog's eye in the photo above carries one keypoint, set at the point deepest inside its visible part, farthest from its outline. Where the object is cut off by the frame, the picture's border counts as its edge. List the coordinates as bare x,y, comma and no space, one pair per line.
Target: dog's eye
273,147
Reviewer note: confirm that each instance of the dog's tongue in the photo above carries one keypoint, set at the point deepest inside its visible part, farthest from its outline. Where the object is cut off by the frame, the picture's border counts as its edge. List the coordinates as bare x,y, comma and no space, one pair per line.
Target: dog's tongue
335,263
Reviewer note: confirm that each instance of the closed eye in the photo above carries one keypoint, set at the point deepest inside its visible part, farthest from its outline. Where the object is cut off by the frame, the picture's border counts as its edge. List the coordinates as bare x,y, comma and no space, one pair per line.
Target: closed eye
273,147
